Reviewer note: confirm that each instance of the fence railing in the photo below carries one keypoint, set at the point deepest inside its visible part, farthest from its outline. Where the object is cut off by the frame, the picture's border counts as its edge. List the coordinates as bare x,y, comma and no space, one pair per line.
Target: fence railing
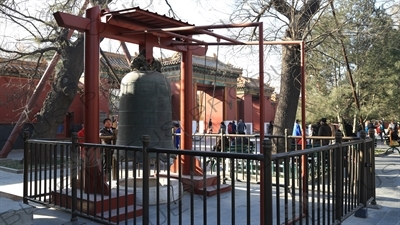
320,185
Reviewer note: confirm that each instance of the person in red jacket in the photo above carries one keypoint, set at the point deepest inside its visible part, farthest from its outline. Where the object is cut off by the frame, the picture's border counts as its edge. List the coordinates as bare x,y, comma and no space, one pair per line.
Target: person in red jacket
81,134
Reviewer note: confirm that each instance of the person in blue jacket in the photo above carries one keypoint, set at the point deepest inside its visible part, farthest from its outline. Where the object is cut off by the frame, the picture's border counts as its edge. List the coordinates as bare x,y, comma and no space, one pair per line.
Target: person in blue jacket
177,137
296,129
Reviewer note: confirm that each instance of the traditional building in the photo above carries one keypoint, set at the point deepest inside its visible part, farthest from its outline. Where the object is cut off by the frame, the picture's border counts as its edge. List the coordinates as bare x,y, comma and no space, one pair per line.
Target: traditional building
249,102
220,92
214,91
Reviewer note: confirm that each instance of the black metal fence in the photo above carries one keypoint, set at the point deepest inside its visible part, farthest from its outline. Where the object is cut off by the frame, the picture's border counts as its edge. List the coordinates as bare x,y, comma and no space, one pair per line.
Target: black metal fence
320,185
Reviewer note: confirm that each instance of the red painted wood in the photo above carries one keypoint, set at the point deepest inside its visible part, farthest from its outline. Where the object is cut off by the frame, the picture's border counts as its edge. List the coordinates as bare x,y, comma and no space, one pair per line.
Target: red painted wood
100,207
93,171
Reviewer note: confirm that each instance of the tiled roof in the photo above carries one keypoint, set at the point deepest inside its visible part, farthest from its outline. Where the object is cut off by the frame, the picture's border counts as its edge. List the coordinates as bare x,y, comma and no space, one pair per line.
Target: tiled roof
141,19
21,67
118,61
252,83
28,68
210,62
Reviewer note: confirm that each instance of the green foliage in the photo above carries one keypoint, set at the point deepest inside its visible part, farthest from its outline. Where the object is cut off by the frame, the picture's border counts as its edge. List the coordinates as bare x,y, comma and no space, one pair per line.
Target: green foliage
372,45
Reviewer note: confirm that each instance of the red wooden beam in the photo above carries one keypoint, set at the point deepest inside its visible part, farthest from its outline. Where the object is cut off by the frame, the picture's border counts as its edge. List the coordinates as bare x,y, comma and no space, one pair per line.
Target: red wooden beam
116,32
73,22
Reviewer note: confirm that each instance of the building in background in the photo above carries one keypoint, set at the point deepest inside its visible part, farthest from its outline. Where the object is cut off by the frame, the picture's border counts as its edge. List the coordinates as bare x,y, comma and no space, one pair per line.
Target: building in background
220,93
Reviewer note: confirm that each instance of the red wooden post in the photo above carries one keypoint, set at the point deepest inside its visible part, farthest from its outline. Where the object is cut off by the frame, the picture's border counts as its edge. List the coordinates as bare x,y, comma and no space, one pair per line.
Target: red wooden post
186,99
262,132
94,182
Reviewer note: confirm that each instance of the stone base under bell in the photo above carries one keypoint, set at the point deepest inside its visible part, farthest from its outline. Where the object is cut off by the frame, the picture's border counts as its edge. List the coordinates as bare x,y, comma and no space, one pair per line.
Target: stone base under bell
198,186
174,186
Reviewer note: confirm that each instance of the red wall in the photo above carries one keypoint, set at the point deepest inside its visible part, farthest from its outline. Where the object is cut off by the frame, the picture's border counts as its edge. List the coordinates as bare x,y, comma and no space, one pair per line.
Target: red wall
214,107
230,104
14,95
248,116
256,115
175,100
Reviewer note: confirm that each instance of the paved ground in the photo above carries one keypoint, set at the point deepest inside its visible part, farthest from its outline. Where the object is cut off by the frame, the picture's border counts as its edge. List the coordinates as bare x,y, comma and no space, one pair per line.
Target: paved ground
387,168
387,196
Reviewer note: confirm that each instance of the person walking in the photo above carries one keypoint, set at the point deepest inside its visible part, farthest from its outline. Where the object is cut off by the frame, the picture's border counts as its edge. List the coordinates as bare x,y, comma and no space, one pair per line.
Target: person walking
222,128
382,127
230,128
393,138
297,132
296,128
325,130
270,127
81,134
241,127
177,136
234,127
210,127
379,130
108,132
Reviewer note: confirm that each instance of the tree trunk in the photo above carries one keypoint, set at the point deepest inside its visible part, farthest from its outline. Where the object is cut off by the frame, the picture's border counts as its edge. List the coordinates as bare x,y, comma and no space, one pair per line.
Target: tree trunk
290,75
289,94
63,92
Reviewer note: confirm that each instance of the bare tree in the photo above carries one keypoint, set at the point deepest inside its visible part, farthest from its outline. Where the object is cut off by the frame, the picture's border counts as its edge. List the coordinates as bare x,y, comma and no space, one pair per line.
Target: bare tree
296,17
40,27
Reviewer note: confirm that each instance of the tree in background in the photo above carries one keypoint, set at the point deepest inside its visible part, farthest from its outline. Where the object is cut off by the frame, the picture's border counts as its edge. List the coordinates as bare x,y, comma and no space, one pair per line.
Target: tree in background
35,24
371,42
38,37
296,21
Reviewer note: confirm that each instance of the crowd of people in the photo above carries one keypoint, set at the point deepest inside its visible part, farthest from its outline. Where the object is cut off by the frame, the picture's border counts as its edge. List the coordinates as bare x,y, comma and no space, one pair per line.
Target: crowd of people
389,132
383,131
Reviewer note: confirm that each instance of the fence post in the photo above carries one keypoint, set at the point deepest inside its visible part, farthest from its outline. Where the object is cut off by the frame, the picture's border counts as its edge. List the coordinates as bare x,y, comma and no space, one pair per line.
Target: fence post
146,175
223,133
266,187
286,140
25,160
338,153
363,212
371,184
74,174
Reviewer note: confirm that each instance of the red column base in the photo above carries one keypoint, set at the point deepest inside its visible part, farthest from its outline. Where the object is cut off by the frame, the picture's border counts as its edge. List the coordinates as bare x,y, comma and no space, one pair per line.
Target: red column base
95,183
198,171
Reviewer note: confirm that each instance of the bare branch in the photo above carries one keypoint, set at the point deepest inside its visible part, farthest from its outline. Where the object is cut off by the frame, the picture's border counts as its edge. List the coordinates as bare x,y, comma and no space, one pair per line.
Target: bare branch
171,11
23,54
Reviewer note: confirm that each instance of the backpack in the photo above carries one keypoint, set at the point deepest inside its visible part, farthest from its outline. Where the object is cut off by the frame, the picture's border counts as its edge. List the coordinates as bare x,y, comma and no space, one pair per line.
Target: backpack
378,129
